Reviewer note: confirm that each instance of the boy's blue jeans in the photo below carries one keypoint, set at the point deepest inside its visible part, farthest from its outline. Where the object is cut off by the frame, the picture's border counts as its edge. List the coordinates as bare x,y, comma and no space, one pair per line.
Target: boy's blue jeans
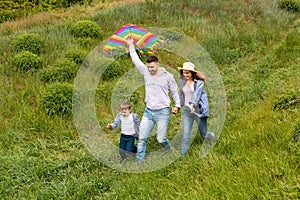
187,125
150,118
126,145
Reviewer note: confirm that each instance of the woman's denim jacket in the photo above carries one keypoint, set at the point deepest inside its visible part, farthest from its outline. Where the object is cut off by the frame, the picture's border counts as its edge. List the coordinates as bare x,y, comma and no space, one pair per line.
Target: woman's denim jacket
199,98
136,122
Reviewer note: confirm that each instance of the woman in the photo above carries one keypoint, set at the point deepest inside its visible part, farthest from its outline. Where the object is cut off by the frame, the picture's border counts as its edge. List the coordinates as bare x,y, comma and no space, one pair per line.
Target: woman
194,103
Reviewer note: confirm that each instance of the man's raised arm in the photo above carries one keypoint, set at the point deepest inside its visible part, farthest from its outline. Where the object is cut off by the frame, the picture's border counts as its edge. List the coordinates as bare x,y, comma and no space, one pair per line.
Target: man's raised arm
134,57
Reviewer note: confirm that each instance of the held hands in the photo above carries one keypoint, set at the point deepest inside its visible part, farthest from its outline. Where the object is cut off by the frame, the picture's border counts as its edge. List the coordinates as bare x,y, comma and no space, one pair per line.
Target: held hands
175,110
192,109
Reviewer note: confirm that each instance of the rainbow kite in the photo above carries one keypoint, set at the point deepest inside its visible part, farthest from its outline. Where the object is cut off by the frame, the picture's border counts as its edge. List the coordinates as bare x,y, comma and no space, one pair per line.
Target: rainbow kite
143,39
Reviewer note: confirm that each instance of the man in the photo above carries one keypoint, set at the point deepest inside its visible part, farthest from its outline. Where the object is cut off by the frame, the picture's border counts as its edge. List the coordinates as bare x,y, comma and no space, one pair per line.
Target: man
157,112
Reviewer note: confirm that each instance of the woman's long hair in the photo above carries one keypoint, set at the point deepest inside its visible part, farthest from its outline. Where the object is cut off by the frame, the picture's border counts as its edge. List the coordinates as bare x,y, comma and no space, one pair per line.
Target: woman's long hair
196,75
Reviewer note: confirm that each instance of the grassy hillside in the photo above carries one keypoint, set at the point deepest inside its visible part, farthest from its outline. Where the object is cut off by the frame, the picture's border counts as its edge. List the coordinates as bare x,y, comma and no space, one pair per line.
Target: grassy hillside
256,48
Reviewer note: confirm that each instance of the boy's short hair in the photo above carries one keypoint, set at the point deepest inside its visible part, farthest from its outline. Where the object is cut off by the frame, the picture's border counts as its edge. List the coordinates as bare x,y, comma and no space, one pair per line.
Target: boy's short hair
152,59
125,105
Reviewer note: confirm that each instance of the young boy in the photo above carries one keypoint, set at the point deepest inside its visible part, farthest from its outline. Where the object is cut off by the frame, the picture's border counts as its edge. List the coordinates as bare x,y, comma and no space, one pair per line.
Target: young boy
129,124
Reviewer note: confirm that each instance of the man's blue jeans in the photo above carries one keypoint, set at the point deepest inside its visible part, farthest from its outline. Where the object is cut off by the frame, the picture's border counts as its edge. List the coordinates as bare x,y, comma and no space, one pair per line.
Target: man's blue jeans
150,118
126,145
187,125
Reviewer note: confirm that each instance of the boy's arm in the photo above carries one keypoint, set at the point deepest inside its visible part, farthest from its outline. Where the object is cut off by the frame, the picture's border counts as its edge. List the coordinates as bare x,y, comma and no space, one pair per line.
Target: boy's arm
115,123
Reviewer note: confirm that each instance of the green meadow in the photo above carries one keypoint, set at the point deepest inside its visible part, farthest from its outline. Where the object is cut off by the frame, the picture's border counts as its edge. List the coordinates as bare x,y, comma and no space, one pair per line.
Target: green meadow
255,48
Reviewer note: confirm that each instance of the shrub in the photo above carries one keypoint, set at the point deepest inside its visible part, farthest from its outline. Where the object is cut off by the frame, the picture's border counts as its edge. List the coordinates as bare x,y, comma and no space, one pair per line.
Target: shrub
9,10
6,15
58,100
103,93
85,28
12,9
62,70
85,42
114,70
26,60
28,42
292,5
54,4
98,65
76,55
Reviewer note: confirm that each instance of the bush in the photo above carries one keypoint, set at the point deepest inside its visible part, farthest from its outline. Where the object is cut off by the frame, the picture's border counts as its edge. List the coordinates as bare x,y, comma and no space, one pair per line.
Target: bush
26,60
103,93
98,65
85,42
85,28
6,15
54,4
28,42
114,70
292,5
9,10
58,100
12,9
76,56
62,70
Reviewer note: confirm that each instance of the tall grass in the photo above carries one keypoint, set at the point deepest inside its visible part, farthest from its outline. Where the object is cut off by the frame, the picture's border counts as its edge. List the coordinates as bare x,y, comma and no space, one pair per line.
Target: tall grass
42,157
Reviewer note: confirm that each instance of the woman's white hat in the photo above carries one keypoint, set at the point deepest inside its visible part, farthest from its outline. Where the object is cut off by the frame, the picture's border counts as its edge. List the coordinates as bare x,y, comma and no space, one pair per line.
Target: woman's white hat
188,66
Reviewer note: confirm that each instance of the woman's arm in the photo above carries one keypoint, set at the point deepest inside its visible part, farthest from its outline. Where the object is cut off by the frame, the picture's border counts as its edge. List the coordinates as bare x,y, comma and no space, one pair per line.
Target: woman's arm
197,92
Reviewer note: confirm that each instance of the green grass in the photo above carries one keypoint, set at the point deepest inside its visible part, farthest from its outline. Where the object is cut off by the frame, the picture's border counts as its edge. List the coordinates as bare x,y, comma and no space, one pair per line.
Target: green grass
255,47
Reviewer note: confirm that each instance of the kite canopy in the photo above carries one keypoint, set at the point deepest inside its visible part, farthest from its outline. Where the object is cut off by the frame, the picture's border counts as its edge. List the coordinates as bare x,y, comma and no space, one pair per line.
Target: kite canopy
144,41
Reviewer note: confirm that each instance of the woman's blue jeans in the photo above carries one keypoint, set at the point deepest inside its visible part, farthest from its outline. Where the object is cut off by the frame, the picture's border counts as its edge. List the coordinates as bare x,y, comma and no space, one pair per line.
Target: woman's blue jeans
150,118
187,125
